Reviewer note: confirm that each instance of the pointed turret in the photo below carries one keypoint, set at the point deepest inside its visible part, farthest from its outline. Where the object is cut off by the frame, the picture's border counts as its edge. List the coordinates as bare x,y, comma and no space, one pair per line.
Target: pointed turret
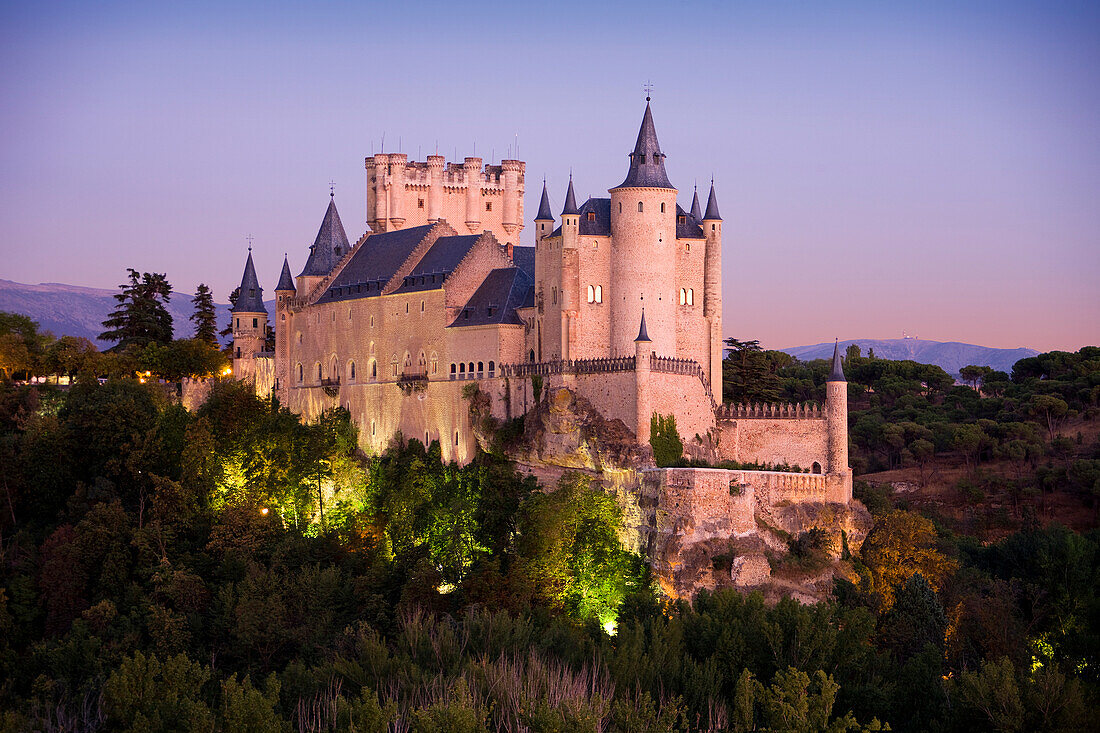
696,212
837,375
712,206
570,201
544,206
331,244
286,280
250,298
647,162
642,334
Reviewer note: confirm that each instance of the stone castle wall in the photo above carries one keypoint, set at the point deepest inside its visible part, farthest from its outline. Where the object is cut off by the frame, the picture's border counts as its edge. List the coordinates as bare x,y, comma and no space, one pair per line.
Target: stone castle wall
774,440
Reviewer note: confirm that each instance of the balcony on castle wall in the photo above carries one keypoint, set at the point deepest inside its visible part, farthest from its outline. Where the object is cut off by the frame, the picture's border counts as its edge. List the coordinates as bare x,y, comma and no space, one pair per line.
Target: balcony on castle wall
329,382
410,378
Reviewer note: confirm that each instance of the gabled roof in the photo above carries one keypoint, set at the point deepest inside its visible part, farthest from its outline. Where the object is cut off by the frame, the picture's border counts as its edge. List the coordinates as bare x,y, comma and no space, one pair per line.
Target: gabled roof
524,259
837,375
647,162
544,206
598,227
250,298
570,200
712,205
689,228
374,263
437,263
286,280
330,245
695,210
496,299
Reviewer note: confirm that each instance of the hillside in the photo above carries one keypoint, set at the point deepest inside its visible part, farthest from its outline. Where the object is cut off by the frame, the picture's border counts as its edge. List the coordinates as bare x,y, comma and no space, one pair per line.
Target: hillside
951,356
72,310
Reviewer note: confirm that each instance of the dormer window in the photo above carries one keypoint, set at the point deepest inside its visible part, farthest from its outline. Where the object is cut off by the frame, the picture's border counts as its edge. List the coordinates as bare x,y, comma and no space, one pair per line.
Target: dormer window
591,216
681,220
252,292
338,251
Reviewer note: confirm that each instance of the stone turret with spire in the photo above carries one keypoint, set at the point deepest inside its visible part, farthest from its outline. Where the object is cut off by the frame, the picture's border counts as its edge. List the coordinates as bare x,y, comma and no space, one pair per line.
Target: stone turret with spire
249,319
330,245
570,218
544,220
838,480
712,286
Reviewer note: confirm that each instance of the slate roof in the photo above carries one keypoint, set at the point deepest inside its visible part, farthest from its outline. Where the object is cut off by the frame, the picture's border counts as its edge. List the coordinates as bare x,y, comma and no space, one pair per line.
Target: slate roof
598,227
330,245
570,200
496,299
695,210
524,259
374,263
437,263
286,280
647,162
544,206
690,227
712,205
250,298
642,335
837,375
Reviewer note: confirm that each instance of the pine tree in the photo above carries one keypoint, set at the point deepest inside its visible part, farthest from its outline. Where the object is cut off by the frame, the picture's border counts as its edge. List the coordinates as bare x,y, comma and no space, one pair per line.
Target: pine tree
140,317
228,330
204,318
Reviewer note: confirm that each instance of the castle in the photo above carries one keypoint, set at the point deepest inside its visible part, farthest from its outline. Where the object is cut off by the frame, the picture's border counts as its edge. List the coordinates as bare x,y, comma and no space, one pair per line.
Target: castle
621,303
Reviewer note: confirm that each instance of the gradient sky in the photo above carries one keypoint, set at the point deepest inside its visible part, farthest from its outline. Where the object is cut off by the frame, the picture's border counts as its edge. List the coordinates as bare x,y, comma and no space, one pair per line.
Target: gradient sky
881,167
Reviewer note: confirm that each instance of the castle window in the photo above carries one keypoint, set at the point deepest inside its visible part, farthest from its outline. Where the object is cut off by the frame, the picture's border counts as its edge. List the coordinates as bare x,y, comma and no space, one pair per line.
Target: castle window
599,293
681,220
372,321
553,295
372,427
373,369
591,216
639,206
435,363
252,292
238,323
488,205
238,352
351,371
595,244
713,227
492,368
318,370
299,374
422,302
454,371
349,314
662,204
393,366
282,317
591,294
683,297
480,368
456,437
338,250
687,247
299,337
255,323
531,356
620,207
420,203
816,468
691,296
471,369
406,308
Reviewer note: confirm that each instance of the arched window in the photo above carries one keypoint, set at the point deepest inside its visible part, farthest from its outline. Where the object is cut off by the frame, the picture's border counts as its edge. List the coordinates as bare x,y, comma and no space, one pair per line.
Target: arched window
334,373
620,207
817,467
238,352
691,296
553,295
454,371
599,293
480,368
422,362
591,294
531,356
351,371
662,206
393,365
435,363
318,371
373,369
639,206
462,369
683,297
299,374
492,368
470,368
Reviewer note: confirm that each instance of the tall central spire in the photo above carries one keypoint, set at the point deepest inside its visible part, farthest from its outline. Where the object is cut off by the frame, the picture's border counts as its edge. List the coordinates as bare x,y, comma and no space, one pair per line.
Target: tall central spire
647,162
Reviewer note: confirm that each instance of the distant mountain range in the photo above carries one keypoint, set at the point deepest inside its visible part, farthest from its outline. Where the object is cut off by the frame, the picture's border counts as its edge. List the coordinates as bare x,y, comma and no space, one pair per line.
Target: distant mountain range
950,355
72,310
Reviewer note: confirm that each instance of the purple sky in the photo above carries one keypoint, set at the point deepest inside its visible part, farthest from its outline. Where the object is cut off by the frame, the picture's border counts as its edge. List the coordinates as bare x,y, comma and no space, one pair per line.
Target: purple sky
881,167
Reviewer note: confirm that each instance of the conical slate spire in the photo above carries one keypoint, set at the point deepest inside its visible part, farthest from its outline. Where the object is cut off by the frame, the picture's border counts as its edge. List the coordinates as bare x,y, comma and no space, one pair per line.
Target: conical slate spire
331,244
544,206
712,206
647,162
837,374
250,298
286,280
570,200
642,335
696,212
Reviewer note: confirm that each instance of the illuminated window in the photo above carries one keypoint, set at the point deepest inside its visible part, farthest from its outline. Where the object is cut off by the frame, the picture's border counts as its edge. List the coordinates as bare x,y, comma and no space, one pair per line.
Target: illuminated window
435,363
591,216
691,296
599,293
591,294
662,205
683,297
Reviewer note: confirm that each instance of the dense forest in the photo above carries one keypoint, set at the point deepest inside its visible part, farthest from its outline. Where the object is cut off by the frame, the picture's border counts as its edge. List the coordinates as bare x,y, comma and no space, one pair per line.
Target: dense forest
236,569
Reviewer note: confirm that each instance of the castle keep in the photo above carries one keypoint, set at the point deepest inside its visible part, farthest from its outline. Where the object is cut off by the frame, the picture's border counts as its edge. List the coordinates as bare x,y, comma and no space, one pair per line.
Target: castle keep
620,301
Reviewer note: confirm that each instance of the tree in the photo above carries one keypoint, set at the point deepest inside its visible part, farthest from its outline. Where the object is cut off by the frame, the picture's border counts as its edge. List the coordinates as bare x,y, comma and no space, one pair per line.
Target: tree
182,358
852,352
21,345
1050,411
70,355
975,375
140,318
204,318
748,373
665,440
903,543
228,330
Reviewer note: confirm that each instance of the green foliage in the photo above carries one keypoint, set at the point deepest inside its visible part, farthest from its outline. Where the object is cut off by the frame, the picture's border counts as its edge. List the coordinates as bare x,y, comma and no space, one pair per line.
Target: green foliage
204,317
140,318
665,440
181,358
21,345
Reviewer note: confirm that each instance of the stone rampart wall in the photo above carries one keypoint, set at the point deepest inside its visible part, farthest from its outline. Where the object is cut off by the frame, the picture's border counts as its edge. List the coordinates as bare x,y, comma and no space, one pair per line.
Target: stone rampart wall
776,440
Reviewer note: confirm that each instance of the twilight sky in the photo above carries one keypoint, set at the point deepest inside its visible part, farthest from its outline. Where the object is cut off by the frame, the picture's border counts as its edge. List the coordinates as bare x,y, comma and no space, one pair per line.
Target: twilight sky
881,167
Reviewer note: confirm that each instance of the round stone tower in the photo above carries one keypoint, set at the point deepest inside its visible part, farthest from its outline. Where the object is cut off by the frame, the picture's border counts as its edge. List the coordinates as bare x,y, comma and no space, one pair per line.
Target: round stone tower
249,322
643,259
838,479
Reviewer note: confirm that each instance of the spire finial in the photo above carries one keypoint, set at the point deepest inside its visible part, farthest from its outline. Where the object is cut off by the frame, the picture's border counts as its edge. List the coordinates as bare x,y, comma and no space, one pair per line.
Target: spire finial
249,238
332,189
648,89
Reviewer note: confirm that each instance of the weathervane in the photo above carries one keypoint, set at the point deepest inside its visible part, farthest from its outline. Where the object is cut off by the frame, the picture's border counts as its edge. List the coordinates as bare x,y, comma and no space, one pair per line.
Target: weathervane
332,188
648,89
249,238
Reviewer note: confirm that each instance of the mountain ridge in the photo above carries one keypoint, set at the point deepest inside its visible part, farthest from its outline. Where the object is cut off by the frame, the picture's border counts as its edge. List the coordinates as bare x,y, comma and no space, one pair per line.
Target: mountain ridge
951,356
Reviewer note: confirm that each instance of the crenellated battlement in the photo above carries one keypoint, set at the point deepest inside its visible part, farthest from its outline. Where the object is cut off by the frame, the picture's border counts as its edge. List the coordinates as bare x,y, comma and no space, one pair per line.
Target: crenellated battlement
771,411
